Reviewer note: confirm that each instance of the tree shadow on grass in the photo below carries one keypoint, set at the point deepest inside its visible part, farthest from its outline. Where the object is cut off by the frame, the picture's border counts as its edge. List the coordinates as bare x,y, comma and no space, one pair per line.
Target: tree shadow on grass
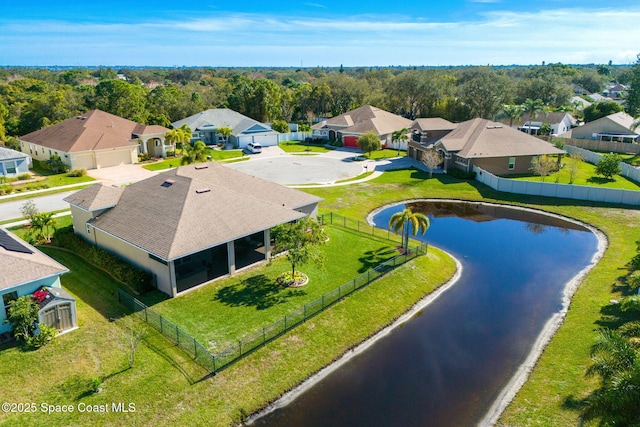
256,291
373,258
600,180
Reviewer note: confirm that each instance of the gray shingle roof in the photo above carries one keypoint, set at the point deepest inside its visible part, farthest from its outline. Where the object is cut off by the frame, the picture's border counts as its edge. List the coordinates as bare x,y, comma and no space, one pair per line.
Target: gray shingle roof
95,197
478,138
9,154
195,207
221,117
20,267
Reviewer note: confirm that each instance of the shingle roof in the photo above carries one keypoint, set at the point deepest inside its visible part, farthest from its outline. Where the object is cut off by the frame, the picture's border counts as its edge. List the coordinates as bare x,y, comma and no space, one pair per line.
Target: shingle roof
95,197
623,119
221,117
95,130
8,154
483,138
434,123
195,207
366,119
22,267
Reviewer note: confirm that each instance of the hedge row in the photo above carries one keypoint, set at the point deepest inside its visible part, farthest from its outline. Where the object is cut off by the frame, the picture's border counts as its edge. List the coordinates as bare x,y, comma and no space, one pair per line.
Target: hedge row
139,280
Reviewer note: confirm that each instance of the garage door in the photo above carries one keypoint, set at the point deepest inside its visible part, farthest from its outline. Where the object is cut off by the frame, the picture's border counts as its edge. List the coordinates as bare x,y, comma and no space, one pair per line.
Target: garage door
266,140
105,159
82,161
350,141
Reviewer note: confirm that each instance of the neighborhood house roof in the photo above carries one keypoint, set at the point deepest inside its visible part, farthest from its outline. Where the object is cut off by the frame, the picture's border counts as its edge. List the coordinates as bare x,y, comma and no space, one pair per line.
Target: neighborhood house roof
433,124
96,197
195,207
623,119
478,138
365,119
22,263
9,154
95,130
223,117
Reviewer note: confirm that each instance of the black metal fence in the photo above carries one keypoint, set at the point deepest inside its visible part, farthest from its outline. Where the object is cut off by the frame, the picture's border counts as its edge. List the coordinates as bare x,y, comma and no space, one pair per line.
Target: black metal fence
354,224
222,359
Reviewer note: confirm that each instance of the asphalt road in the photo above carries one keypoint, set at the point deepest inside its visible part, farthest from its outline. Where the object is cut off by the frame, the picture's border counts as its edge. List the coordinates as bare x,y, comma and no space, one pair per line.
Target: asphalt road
53,202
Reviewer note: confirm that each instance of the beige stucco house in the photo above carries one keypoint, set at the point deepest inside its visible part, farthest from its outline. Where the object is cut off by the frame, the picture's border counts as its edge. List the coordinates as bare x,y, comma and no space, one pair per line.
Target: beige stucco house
189,225
615,127
95,140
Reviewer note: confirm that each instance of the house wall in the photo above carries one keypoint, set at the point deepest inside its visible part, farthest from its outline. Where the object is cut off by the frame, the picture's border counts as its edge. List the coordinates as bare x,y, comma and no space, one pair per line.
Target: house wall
22,290
85,159
135,256
38,152
500,165
606,125
21,165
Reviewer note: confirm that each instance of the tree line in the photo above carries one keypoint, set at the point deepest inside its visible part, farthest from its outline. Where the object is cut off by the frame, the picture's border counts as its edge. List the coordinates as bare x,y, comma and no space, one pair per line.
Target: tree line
32,98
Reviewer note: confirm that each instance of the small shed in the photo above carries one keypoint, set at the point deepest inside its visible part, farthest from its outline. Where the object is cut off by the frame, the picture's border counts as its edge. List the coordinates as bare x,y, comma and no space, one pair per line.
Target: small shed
57,309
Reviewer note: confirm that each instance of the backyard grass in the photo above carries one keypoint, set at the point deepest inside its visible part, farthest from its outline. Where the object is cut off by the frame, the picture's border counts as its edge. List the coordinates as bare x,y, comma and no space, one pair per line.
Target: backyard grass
172,162
43,179
299,146
165,386
169,389
219,314
629,158
585,175
385,153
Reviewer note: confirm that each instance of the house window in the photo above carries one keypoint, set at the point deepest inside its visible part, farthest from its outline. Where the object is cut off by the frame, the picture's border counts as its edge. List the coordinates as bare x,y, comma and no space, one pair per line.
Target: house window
157,142
512,163
10,167
6,300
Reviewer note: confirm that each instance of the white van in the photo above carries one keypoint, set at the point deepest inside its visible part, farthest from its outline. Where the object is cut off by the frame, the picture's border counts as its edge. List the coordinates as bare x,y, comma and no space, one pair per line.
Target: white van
254,147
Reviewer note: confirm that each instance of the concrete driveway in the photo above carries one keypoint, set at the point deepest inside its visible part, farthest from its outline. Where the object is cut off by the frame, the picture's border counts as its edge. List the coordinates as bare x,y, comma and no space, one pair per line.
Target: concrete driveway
305,169
118,175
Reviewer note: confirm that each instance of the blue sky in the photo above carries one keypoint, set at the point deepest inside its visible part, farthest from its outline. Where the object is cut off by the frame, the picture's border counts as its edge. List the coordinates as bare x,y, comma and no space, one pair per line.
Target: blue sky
317,32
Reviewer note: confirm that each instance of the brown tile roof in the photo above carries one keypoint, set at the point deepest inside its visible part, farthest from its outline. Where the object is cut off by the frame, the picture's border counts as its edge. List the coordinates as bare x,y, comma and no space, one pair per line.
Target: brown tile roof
195,207
483,138
95,197
21,267
365,119
95,130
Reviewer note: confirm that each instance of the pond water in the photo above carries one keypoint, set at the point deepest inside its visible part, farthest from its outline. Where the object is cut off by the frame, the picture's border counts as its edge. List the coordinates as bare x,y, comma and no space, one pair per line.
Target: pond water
448,364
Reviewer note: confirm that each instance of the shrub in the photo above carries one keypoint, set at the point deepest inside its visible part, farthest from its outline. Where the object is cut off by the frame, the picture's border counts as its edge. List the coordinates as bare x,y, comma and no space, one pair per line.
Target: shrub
5,189
171,154
460,174
144,157
55,164
137,279
609,165
76,173
23,177
42,335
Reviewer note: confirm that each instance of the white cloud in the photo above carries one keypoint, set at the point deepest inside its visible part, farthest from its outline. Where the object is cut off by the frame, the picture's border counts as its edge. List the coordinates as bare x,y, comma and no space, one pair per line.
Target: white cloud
559,35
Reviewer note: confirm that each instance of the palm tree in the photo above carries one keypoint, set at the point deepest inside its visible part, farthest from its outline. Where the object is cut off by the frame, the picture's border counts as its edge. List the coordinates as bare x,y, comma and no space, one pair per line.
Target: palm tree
180,135
533,108
224,132
617,362
400,136
43,223
406,220
193,153
513,112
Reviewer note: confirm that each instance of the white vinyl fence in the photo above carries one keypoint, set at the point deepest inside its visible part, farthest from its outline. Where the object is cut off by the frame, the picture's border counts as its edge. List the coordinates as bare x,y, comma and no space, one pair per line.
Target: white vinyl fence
593,158
293,136
567,191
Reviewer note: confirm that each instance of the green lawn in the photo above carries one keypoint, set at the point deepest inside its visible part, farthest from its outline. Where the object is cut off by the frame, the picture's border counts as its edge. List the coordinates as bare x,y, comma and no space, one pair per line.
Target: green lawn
46,179
221,313
172,162
632,159
169,389
385,153
299,146
585,175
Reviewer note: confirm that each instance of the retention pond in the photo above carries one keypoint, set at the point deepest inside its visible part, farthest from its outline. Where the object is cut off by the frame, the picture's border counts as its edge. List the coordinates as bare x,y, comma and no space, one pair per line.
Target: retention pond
449,364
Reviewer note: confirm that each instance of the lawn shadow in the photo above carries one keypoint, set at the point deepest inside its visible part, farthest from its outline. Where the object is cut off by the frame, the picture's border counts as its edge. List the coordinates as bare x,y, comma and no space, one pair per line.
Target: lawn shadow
600,180
258,291
372,259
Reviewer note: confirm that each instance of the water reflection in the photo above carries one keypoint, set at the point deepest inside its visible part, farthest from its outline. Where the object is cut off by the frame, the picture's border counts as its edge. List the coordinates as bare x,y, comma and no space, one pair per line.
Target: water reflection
446,366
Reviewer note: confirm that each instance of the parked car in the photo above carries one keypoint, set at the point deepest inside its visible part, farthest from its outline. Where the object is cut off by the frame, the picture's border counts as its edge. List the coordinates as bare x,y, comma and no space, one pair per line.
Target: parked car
254,148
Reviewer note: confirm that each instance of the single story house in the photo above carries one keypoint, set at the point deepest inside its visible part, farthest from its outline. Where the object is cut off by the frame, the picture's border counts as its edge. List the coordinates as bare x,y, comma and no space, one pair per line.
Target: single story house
189,225
348,127
615,127
425,132
26,270
559,121
244,130
96,140
492,146
13,163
